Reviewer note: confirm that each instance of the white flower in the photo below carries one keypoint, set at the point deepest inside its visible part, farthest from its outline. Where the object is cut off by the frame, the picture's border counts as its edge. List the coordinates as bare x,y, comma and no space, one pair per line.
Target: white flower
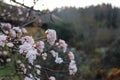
24,48
27,39
6,32
24,30
31,55
27,78
8,59
10,44
2,40
22,65
38,71
18,61
23,68
3,37
40,46
52,78
5,52
38,66
37,78
31,75
72,67
17,29
2,44
71,55
51,36
12,33
44,56
54,54
63,45
6,25
58,60
29,67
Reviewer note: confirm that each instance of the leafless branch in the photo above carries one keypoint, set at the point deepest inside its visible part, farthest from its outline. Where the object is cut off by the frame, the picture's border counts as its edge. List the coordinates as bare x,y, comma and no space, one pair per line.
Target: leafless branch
25,6
30,22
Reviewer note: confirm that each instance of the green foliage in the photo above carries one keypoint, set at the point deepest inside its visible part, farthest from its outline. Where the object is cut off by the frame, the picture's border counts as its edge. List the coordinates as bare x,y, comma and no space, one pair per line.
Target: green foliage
100,51
85,69
7,72
93,26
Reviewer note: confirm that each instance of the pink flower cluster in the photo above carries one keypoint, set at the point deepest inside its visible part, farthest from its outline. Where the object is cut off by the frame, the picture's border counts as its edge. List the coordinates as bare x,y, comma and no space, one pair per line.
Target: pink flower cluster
13,38
51,36
63,45
58,59
40,46
72,64
72,67
27,39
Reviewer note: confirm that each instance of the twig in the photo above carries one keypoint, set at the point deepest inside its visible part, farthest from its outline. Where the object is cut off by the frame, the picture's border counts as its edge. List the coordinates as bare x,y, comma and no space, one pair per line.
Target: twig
24,5
30,22
46,74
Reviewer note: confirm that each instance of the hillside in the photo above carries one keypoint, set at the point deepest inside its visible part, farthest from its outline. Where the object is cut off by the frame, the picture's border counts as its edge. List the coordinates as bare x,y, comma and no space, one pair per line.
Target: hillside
95,25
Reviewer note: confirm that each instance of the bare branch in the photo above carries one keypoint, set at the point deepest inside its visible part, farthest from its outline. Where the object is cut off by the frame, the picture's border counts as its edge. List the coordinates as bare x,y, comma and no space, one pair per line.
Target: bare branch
25,6
30,22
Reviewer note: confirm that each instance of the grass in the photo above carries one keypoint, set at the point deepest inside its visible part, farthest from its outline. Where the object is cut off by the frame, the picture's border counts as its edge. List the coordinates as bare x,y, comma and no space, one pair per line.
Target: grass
7,72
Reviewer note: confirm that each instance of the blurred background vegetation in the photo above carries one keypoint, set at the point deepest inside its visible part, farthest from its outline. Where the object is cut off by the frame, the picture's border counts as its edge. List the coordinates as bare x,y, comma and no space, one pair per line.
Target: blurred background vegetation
94,32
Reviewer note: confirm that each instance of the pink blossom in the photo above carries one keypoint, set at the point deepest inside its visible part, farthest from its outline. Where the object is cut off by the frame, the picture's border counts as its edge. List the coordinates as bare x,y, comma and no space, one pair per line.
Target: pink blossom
8,59
29,67
51,36
12,33
3,37
44,56
54,54
72,67
71,55
37,78
52,78
27,39
6,25
17,29
27,78
31,56
63,45
58,60
24,30
38,71
24,48
10,44
38,66
23,68
5,52
2,40
40,46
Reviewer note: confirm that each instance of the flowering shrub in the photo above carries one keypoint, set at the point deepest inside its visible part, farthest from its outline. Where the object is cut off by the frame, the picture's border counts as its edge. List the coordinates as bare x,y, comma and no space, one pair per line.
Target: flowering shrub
42,60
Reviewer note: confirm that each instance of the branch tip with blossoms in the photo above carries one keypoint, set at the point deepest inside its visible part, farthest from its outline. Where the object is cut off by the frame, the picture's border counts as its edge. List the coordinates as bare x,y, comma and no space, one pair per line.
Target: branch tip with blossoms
35,56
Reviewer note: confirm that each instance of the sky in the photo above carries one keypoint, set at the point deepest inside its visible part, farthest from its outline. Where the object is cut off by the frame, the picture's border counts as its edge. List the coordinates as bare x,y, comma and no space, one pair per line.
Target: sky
52,4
